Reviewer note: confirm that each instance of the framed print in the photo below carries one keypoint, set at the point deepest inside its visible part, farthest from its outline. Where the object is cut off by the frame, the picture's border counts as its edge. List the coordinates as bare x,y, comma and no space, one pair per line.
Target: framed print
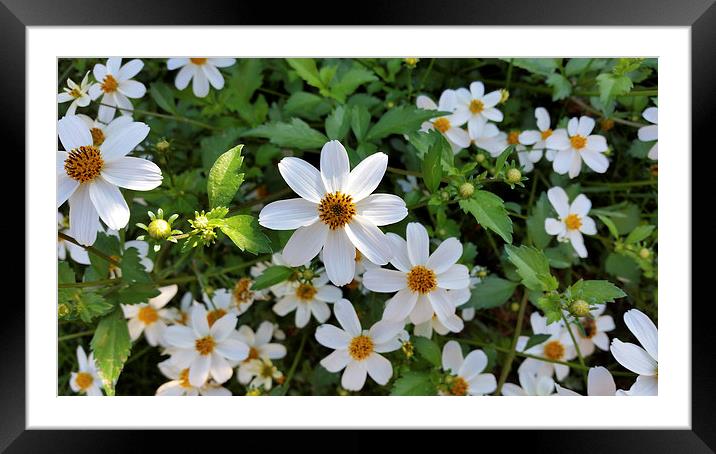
422,221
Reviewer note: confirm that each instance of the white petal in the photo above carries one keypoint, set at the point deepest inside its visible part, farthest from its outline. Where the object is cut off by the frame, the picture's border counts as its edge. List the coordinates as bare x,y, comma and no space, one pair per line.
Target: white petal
214,76
644,330
125,140
133,173
84,220
220,369
339,256
477,90
575,237
303,178
423,102
354,376
441,304
382,209
542,117
399,248
400,305
559,200
223,327
597,143
288,214
334,167
384,281
73,132
132,89
329,293
572,126
452,357
580,205
475,362
595,160
558,140
366,176
305,243
651,114
379,368
332,337
233,349
445,256
180,337
588,226
369,240
199,322
200,84
285,305
385,330
530,137
648,133
600,382
66,186
455,277
554,227
174,63
423,311
109,203
199,370
482,384
644,386
585,126
222,62
347,317
336,361
184,76
510,389
418,244
633,357
320,310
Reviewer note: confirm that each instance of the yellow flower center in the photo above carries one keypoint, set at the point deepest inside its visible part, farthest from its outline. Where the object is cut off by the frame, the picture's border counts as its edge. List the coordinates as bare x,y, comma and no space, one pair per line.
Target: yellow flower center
84,163
459,387
442,124
97,136
183,318
554,350
267,369
578,142
75,92
513,138
253,354
214,315
242,294
148,315
184,379
84,380
198,61
205,345
573,222
360,347
336,210
590,328
109,84
422,280
306,292
476,106
546,133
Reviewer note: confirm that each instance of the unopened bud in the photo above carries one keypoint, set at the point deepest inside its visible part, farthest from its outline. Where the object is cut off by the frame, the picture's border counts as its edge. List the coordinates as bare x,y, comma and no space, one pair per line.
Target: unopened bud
579,308
514,176
466,190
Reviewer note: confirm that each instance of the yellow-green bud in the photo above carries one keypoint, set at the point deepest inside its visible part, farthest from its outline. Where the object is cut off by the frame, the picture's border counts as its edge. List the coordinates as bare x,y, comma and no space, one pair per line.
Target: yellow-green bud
63,310
411,62
504,96
254,392
466,189
445,195
159,229
515,307
162,145
579,308
408,349
201,222
514,176
480,157
644,253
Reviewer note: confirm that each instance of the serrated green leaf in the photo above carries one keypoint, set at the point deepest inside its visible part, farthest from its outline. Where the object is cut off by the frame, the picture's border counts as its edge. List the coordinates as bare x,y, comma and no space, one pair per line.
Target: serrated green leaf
432,167
306,105
111,345
399,120
414,384
132,269
65,273
611,86
163,96
492,292
551,305
224,177
341,88
595,291
271,276
541,66
489,211
296,134
338,123
245,232
640,233
137,293
90,305
561,87
307,70
360,121
610,225
500,163
535,223
623,267
429,350
533,267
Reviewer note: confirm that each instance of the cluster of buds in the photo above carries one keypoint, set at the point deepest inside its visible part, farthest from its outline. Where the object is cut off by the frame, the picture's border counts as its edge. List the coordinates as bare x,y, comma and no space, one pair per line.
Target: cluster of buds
203,229
159,229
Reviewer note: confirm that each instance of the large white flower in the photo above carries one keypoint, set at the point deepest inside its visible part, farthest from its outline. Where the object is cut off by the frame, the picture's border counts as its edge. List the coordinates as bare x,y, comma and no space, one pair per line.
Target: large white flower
306,298
87,379
595,328
530,385
538,138
422,280
179,384
643,361
90,176
573,220
577,144
202,71
260,347
78,254
101,131
358,350
448,126
475,107
75,93
466,374
206,350
115,84
558,347
650,133
150,318
599,383
336,212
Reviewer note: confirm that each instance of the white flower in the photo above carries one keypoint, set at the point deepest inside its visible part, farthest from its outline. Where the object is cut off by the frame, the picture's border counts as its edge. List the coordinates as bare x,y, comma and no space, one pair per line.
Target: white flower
90,176
421,280
595,328
466,373
206,350
358,350
101,131
115,84
260,347
573,220
219,304
180,386
336,212
150,318
576,144
599,383
86,380
262,373
308,298
182,314
203,71
650,133
558,347
531,385
489,138
457,298
477,273
75,93
538,139
78,254
527,158
448,126
643,361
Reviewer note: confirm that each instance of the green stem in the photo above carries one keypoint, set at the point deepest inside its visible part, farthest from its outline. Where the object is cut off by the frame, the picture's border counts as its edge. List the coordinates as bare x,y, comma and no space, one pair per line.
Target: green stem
228,269
90,249
576,347
99,283
296,360
74,335
166,116
513,346
425,76
621,185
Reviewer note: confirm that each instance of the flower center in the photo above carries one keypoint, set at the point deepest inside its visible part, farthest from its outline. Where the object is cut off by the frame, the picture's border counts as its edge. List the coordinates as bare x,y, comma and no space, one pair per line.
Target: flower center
546,133
306,292
75,92
422,280
109,84
184,379
198,61
554,350
242,293
97,136
578,142
573,222
359,256
84,163
458,387
84,380
205,345
360,347
253,354
476,106
336,210
267,369
590,328
442,124
215,315
513,138
148,315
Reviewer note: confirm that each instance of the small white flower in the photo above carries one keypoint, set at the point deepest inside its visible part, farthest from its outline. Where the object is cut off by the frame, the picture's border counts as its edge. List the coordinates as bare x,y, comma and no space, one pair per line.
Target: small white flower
475,107
527,158
477,274
336,212
421,280
262,372
358,350
203,71
75,93
86,380
489,138
642,360
538,139
204,350
599,383
530,385
650,133
90,176
115,84
101,131
448,126
260,347
558,347
78,254
577,144
308,298
150,318
573,220
180,386
595,331
466,373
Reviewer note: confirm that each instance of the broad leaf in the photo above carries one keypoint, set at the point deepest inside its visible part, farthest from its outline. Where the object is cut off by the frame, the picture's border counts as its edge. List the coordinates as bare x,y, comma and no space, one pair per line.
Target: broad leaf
111,345
245,232
224,177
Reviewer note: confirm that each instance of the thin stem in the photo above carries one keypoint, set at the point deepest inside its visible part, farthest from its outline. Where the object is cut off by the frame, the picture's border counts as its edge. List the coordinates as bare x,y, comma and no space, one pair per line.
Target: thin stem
99,283
513,347
296,360
425,76
591,109
576,347
90,249
168,117
548,90
622,184
74,335
228,269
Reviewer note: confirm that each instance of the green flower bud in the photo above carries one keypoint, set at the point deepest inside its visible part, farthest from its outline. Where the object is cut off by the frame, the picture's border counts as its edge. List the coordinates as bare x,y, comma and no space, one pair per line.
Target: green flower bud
63,310
514,176
201,222
644,253
466,190
159,229
480,157
579,308
163,145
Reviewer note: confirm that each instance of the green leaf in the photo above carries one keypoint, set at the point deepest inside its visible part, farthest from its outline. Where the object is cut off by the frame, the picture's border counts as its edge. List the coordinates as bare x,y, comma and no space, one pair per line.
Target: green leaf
414,384
628,219
536,339
533,267
111,345
307,70
137,293
213,146
399,120
611,86
489,210
132,269
65,273
245,232
595,292
500,163
224,177
429,350
560,256
360,122
338,123
271,276
432,167
610,225
349,82
306,105
551,305
296,134
640,233
242,85
492,292
163,96
535,223
623,268
561,87
541,66
90,305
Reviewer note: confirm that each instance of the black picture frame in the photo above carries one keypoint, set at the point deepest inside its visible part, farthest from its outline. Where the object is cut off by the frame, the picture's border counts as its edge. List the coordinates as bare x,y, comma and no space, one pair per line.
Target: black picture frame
699,15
